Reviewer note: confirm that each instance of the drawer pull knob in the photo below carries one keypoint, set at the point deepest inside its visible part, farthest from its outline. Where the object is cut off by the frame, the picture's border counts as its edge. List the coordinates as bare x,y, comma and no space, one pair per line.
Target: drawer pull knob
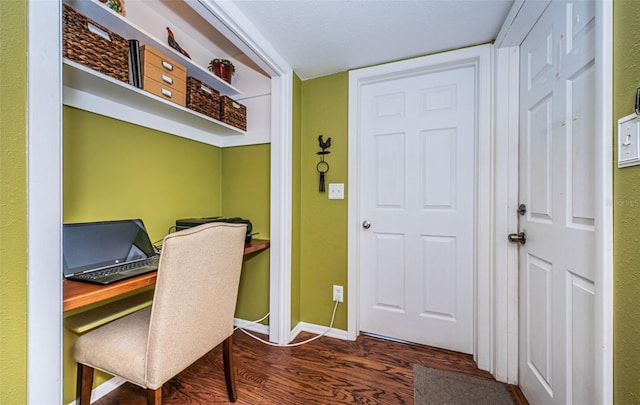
167,65
167,79
167,93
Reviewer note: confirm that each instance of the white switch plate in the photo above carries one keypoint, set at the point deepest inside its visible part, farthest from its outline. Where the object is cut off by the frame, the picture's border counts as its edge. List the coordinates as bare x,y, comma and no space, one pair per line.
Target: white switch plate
336,191
628,141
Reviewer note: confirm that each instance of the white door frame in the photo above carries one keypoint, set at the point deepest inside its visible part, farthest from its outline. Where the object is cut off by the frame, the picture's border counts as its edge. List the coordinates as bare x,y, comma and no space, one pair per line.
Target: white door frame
519,22
44,186
480,57
44,202
604,204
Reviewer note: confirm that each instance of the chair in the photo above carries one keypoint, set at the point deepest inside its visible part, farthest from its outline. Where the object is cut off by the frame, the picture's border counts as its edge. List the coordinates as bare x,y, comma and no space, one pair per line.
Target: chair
192,312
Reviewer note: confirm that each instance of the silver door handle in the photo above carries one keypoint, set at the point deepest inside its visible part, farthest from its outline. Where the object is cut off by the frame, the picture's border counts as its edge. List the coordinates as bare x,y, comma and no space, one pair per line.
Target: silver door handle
518,238
366,224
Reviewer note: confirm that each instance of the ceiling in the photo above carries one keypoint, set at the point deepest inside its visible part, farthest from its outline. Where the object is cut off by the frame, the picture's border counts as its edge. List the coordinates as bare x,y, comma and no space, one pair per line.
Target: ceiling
321,37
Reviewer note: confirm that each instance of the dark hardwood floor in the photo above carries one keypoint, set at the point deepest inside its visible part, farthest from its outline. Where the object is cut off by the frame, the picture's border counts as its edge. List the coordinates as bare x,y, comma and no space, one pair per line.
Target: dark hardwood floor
369,370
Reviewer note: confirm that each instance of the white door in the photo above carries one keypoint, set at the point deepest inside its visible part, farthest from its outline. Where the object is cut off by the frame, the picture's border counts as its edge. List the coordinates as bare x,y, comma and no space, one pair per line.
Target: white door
417,159
557,184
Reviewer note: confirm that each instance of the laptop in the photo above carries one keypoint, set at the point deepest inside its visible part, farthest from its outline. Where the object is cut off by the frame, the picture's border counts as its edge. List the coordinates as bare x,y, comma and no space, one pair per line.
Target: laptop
108,251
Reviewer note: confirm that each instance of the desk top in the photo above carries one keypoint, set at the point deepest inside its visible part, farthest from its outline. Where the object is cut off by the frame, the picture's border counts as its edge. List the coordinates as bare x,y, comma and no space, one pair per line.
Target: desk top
77,294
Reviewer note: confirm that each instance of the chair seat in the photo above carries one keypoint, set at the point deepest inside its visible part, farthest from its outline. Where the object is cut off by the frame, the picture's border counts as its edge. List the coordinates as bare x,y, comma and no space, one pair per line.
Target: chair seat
119,347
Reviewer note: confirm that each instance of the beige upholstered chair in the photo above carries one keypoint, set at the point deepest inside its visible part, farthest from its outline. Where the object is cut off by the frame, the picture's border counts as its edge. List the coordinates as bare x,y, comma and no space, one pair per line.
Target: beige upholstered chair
192,312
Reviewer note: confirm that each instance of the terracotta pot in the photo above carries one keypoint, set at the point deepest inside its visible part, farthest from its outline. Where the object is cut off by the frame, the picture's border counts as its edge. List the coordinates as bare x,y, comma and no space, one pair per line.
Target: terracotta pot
223,71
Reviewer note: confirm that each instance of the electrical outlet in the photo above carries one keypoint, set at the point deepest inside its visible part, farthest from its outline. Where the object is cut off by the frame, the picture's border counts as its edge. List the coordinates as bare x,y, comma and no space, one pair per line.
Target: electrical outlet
337,293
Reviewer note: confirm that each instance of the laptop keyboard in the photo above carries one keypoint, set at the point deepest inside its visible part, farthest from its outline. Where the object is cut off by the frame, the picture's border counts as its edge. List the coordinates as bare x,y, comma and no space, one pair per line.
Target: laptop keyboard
98,274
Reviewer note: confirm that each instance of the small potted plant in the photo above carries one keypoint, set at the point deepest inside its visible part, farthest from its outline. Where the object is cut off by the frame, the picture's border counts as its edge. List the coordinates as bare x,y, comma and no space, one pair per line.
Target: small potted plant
223,68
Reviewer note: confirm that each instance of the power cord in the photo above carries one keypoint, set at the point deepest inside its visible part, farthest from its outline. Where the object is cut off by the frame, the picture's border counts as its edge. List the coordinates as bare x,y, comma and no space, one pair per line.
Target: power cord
333,315
158,244
257,321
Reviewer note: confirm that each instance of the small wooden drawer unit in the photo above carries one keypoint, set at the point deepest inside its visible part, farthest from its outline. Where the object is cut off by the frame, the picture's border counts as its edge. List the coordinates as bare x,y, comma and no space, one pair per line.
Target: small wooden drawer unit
162,76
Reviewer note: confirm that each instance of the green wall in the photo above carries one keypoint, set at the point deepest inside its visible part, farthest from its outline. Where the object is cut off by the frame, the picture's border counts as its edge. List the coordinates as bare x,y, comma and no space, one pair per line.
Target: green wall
245,193
323,222
115,170
13,203
626,218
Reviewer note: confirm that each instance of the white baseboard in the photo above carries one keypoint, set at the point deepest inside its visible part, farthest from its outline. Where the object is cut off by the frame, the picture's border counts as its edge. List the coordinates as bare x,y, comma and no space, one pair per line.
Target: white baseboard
103,389
300,327
317,330
252,326
295,331
106,387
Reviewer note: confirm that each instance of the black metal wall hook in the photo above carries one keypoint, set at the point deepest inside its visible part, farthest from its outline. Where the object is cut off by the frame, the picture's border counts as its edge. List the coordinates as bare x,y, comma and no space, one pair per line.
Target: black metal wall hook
324,145
323,167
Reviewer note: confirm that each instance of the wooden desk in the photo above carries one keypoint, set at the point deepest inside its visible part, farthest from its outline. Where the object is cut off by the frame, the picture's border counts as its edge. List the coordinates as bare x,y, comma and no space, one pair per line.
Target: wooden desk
77,294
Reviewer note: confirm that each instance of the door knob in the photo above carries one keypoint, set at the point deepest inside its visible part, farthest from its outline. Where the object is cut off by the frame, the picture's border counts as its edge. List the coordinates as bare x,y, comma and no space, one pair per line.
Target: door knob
518,238
366,224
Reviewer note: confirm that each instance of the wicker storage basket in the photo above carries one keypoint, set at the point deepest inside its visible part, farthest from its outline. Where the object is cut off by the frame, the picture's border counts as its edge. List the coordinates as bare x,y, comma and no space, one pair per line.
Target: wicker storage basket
233,113
202,98
87,48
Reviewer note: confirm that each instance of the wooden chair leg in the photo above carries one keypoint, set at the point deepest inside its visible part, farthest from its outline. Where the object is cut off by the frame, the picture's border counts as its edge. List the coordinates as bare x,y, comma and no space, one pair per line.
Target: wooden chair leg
84,384
229,372
154,397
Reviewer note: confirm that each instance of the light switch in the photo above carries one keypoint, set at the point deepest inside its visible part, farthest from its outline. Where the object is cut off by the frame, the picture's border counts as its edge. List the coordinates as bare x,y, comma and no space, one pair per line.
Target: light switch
336,191
628,141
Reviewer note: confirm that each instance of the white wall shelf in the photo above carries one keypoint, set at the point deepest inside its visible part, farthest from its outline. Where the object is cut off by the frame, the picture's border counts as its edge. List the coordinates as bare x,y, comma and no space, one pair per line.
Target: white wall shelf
89,90
128,30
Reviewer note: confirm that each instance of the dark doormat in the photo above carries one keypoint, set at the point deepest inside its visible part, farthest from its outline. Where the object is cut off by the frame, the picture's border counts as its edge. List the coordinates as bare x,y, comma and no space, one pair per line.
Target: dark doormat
437,387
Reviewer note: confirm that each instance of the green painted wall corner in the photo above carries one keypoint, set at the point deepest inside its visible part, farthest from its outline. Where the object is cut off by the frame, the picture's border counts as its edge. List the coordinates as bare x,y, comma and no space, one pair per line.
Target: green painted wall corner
13,203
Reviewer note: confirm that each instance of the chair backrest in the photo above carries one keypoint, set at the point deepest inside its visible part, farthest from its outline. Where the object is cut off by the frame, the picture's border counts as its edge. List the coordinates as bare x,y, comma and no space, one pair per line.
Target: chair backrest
195,297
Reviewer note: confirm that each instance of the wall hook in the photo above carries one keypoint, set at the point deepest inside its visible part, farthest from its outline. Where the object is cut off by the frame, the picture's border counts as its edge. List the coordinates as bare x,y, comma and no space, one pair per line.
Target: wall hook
323,167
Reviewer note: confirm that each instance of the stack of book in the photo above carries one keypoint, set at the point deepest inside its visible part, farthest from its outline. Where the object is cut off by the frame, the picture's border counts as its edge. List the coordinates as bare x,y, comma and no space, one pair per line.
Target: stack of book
135,70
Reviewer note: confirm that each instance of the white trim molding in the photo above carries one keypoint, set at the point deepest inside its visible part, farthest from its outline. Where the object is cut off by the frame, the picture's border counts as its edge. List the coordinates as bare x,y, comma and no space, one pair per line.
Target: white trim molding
103,389
521,18
281,208
319,330
505,299
44,202
250,325
227,18
603,339
480,57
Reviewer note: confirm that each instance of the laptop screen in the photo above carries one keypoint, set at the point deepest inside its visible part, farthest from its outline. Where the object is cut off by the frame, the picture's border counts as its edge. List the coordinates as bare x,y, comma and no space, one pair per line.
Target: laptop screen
94,245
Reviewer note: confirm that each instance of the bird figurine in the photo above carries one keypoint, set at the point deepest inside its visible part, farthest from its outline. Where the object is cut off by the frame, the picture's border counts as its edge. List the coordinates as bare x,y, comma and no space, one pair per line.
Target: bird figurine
175,45
324,145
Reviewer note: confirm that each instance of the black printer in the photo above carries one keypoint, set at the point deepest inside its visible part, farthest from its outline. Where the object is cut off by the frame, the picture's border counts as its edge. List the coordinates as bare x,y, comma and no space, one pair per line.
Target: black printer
191,222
